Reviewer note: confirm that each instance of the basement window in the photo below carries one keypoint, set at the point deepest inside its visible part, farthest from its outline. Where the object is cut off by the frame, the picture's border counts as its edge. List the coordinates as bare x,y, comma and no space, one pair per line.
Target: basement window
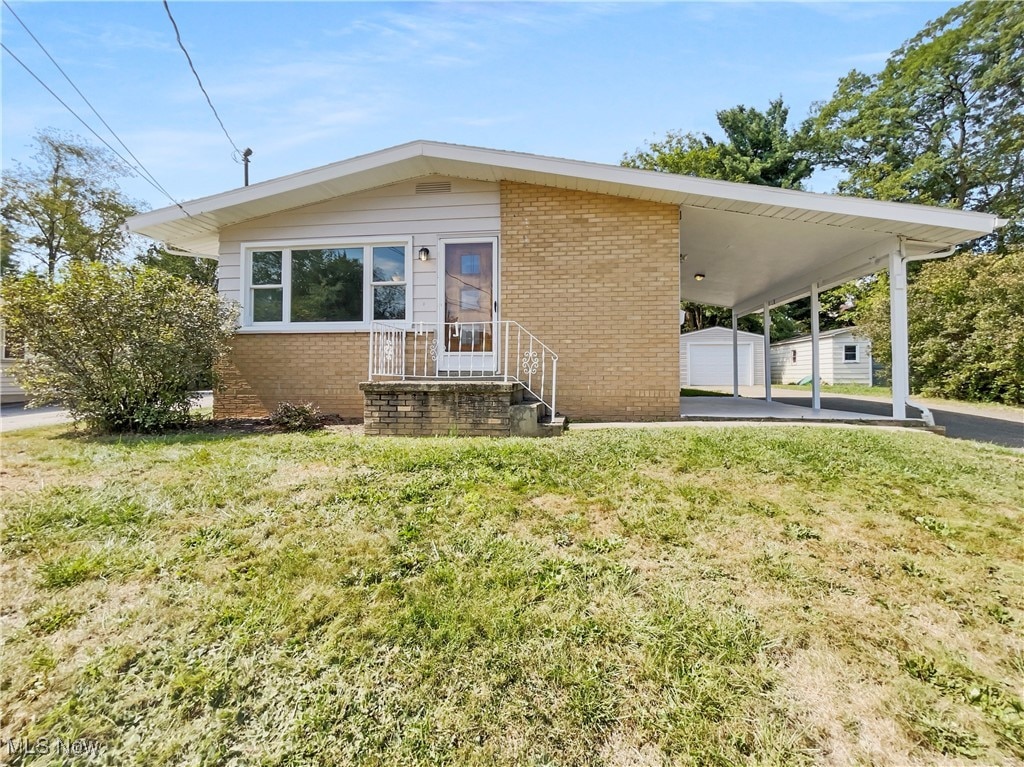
851,353
330,287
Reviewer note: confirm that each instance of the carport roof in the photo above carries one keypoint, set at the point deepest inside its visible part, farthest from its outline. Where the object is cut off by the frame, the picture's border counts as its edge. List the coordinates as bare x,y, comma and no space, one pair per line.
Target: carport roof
754,244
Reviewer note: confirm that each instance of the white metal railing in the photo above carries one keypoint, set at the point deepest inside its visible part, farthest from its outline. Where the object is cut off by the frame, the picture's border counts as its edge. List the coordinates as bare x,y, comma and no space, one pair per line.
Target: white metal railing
497,351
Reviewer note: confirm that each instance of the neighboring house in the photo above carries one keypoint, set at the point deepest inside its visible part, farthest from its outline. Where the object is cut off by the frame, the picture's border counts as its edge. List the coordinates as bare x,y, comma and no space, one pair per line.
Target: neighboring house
845,358
431,261
10,392
705,358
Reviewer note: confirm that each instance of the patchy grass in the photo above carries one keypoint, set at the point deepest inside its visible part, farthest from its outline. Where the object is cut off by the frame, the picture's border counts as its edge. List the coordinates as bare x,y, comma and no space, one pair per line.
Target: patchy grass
855,390
687,596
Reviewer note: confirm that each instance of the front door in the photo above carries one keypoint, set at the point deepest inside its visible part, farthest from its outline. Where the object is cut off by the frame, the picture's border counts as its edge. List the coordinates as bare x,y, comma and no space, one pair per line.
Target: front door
469,307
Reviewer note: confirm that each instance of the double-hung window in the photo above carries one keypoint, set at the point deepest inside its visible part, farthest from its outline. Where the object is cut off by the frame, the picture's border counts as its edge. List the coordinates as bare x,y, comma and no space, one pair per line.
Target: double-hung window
851,353
337,286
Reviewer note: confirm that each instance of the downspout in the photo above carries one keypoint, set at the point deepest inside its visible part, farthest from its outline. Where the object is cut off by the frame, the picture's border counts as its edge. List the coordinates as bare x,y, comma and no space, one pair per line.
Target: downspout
926,414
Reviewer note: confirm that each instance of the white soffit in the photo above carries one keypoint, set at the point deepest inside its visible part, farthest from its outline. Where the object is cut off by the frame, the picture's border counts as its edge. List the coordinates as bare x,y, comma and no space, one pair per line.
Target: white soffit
750,241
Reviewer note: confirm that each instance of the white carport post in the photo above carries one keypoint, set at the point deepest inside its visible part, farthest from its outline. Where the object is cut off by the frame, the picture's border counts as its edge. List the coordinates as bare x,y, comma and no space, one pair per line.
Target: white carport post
898,332
815,358
735,356
767,353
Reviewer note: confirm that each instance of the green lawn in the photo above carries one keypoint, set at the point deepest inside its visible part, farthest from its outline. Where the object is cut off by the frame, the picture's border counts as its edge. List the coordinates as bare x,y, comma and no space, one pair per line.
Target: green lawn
859,390
716,596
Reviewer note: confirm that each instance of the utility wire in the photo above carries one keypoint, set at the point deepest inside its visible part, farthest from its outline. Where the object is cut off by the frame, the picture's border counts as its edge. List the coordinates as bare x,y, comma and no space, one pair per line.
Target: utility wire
146,175
177,34
87,126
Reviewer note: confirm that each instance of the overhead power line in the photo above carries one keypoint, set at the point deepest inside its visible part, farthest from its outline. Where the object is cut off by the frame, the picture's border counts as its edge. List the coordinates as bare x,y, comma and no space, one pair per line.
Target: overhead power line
177,34
89,127
144,171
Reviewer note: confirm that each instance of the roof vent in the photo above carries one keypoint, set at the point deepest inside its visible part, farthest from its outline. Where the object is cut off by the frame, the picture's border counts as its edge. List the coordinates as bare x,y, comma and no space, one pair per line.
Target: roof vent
433,187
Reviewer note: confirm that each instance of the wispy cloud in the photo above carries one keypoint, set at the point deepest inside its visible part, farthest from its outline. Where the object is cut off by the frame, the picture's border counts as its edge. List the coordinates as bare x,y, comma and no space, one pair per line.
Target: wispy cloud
261,83
315,120
112,37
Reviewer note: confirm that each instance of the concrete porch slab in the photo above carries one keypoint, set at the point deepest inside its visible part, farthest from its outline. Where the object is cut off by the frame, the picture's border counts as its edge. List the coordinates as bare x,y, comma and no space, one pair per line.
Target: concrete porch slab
743,409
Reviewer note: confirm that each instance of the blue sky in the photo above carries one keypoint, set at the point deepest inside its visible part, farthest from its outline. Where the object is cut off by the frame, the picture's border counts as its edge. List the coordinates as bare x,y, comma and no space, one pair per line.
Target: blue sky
308,83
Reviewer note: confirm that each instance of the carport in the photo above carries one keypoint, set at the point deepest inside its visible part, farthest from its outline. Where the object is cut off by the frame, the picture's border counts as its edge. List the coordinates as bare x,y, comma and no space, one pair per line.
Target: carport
758,247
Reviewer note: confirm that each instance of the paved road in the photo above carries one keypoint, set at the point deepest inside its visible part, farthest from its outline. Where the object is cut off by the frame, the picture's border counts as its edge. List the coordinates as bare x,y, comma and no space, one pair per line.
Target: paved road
14,417
961,423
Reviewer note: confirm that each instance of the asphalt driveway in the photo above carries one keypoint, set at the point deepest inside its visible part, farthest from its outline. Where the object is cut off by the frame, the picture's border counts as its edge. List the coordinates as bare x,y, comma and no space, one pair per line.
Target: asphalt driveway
17,416
1001,427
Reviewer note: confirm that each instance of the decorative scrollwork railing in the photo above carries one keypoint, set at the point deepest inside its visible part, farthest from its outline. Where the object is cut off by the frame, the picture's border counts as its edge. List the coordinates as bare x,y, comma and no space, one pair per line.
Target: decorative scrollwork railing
503,351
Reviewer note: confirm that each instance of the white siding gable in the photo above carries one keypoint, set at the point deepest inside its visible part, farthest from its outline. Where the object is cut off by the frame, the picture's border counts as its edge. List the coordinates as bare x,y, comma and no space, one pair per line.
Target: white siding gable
397,210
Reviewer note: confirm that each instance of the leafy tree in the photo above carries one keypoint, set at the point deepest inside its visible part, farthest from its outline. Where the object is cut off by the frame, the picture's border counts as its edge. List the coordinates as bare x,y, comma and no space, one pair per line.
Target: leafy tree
965,333
701,316
65,207
8,264
121,347
758,149
941,124
195,268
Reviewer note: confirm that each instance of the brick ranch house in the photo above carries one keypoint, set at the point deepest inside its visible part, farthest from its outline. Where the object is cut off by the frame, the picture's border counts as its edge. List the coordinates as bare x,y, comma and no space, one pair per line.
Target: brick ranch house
418,266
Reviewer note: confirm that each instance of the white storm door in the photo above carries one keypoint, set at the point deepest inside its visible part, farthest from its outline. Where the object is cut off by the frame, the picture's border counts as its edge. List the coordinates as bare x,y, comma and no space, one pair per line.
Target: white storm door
469,306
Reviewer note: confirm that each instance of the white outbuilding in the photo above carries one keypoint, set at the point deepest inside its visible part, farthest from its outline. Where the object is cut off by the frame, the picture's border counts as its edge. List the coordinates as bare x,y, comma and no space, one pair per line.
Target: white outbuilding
706,357
845,358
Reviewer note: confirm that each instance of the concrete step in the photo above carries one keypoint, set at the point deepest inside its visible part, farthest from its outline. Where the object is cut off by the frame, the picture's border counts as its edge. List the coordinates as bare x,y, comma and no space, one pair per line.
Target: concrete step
529,419
553,427
524,419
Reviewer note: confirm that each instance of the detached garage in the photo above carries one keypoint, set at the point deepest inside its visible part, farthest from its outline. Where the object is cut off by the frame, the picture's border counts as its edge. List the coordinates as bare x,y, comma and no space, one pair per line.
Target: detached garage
705,358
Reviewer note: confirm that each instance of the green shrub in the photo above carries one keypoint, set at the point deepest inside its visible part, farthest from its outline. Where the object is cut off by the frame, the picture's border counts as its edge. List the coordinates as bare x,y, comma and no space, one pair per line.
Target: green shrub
292,417
121,347
966,339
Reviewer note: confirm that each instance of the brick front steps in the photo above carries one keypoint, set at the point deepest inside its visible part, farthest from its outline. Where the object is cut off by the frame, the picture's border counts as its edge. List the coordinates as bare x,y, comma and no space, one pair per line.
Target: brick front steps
453,408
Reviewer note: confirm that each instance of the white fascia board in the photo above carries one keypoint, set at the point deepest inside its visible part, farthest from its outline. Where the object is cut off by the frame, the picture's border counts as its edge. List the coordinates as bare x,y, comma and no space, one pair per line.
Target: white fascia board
316,180
369,170
642,182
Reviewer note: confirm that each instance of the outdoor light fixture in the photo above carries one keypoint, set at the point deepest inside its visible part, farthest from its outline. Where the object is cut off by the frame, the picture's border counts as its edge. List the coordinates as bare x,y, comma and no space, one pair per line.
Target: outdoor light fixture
698,276
424,254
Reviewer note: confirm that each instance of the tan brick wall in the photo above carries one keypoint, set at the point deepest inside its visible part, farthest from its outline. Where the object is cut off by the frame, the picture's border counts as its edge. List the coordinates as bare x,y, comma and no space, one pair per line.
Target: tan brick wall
439,408
265,369
596,278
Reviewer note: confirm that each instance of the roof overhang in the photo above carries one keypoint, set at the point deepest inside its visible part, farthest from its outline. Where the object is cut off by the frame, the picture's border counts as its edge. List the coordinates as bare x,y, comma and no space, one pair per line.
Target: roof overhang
755,244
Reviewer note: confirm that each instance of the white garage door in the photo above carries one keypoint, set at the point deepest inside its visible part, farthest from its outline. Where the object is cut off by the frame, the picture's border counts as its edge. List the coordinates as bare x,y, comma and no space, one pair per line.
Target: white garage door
711,364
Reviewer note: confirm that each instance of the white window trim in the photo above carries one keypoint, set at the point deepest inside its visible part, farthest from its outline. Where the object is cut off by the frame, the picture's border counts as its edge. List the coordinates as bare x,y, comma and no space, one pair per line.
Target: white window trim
856,348
298,243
